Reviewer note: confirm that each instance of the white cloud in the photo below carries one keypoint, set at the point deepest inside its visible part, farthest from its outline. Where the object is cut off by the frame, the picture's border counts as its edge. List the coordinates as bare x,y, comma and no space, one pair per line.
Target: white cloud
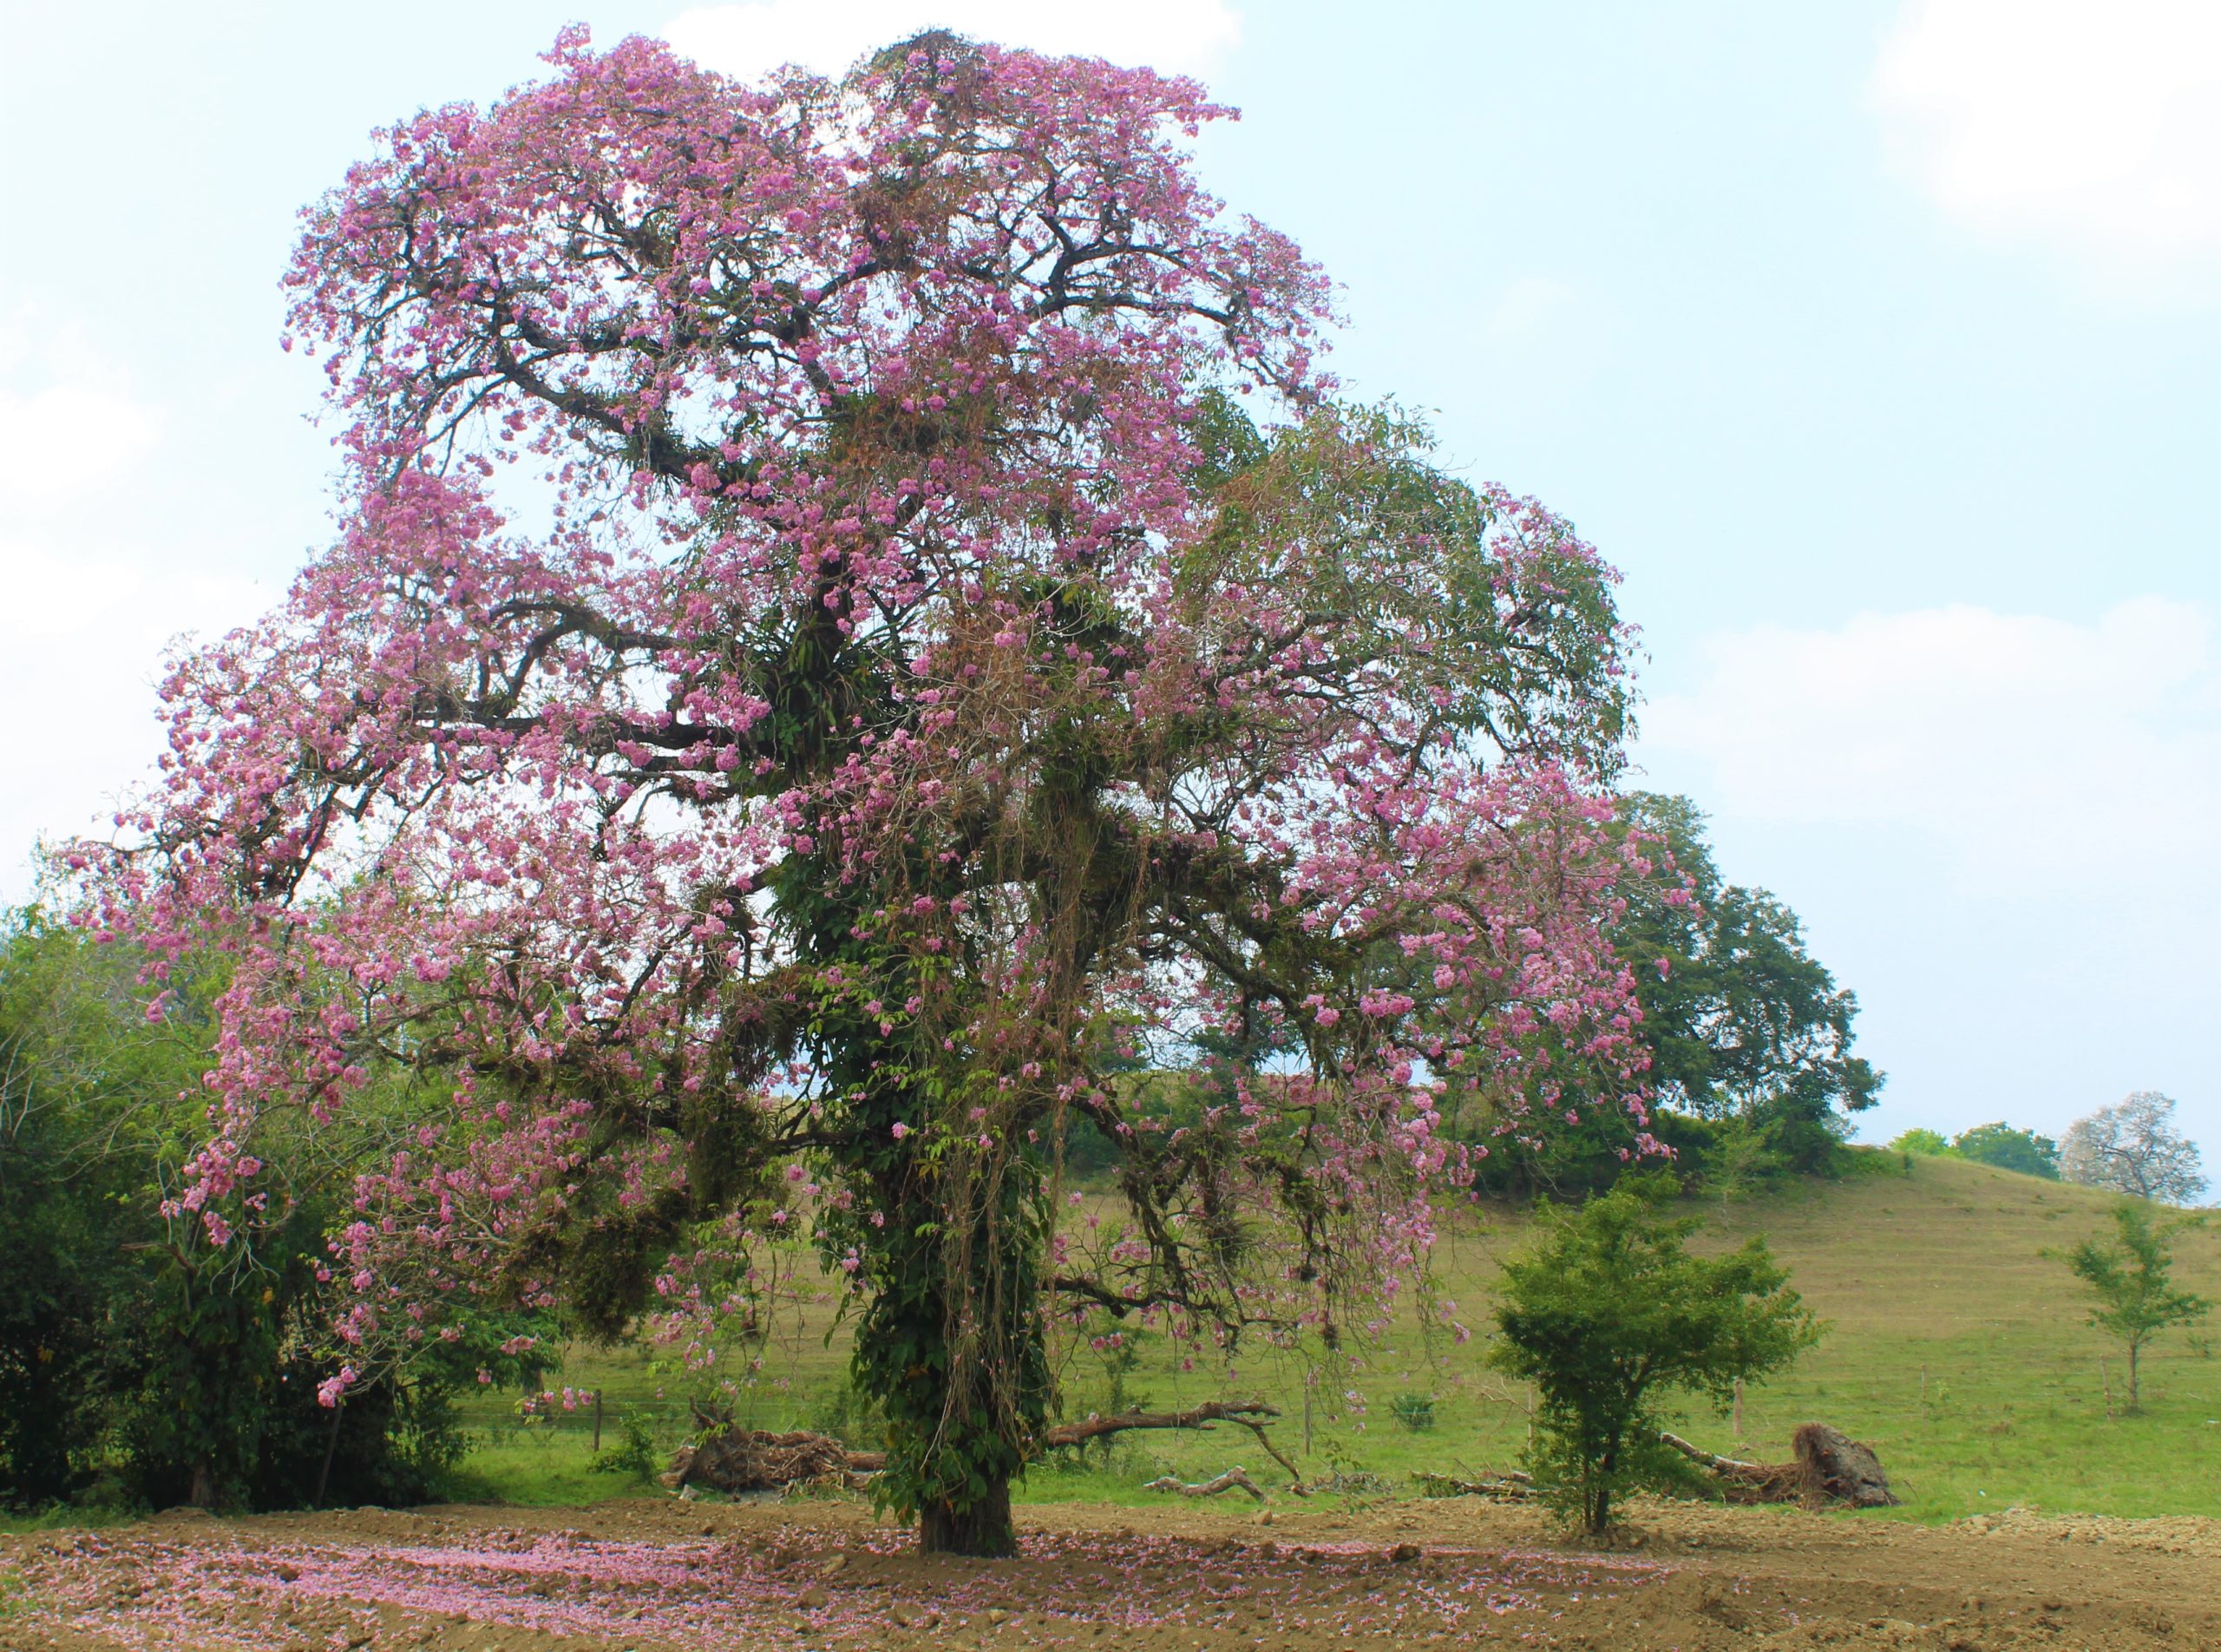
2086,755
1533,305
89,603
2094,125
1184,35
70,425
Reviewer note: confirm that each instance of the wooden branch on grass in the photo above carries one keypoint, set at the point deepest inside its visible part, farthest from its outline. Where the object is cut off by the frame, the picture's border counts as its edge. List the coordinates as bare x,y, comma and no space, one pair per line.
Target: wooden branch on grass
1718,1464
1199,1417
1513,1487
1253,1415
1226,1481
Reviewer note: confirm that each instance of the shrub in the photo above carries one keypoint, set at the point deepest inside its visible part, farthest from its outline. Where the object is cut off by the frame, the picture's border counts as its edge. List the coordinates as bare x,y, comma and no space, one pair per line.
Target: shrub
1607,1314
634,1452
1414,1412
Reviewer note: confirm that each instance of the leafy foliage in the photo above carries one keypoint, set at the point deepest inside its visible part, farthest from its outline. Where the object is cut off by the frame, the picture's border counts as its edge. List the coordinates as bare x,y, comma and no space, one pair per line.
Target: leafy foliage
185,1374
1741,1022
1608,1315
2132,1277
1923,1143
1748,1036
1413,1413
2010,1149
634,1451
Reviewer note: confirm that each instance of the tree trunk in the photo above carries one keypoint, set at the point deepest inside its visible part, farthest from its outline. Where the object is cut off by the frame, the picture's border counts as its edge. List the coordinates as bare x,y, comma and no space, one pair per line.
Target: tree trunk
1599,1512
330,1449
983,1531
2132,1403
951,1345
1596,1505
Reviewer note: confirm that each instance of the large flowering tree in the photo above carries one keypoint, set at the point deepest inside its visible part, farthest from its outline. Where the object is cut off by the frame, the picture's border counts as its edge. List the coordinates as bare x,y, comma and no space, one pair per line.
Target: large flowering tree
821,667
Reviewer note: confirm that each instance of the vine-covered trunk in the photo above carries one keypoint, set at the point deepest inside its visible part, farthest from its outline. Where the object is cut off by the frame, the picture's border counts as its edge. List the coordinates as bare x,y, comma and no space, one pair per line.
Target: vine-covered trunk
952,1345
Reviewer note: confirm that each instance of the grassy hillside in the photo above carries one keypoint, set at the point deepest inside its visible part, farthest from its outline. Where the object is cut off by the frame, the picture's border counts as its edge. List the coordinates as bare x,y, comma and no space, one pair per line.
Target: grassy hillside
1958,1349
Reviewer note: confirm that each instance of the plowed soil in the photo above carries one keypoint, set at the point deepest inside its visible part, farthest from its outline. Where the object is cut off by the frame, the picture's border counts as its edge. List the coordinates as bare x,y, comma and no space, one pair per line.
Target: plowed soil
666,1577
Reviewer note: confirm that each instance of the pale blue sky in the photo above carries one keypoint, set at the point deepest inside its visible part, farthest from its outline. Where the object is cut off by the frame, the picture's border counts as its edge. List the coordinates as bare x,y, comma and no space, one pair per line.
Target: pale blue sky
1879,342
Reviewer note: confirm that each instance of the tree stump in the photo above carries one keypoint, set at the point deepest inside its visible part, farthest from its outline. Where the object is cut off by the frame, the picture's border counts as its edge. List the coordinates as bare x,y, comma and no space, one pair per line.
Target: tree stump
1835,1468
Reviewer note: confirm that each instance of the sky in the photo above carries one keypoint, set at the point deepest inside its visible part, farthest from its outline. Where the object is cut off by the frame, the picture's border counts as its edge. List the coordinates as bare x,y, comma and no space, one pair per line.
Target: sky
1879,343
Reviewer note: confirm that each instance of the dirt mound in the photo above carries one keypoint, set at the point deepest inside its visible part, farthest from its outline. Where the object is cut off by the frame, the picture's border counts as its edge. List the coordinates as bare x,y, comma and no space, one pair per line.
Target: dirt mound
659,1576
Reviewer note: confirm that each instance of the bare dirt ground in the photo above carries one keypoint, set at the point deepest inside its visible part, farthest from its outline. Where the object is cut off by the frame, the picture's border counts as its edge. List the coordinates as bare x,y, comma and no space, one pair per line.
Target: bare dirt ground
660,1577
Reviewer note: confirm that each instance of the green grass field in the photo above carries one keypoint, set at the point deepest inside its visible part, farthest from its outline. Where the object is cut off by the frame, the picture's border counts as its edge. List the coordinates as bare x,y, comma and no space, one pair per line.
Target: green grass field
1957,1348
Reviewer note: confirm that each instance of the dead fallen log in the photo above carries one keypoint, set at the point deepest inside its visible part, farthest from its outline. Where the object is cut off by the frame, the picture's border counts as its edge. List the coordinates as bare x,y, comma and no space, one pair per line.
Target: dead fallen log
1831,1467
751,1459
1226,1481
1512,1487
724,1458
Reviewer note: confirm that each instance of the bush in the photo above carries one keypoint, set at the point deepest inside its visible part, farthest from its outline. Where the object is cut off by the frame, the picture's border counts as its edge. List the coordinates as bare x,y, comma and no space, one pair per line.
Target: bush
1414,1412
1607,1314
134,1359
635,1451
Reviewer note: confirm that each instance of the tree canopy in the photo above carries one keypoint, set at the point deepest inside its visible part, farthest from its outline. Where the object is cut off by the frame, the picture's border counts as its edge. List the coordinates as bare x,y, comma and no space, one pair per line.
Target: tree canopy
855,614
2001,1144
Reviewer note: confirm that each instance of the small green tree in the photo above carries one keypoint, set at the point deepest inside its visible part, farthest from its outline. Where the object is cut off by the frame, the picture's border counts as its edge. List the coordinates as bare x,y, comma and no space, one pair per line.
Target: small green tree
1926,1142
2137,1299
1607,1312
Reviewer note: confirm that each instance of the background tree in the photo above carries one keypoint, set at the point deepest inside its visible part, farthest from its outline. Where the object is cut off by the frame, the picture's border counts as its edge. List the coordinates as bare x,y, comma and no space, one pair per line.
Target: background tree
1741,1022
2134,1147
818,672
2131,1275
1607,1314
2010,1149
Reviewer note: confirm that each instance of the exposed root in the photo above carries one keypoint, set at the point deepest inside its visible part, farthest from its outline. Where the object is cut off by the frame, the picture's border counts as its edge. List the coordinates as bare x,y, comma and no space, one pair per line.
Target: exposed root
1831,1467
726,1459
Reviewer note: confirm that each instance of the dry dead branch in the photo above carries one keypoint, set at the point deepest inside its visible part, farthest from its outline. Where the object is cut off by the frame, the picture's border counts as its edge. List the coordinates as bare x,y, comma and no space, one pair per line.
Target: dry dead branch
1226,1481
